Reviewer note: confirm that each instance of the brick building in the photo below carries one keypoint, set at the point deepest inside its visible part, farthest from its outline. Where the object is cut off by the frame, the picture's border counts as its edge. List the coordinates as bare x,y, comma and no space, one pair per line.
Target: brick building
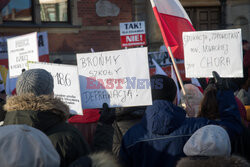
76,26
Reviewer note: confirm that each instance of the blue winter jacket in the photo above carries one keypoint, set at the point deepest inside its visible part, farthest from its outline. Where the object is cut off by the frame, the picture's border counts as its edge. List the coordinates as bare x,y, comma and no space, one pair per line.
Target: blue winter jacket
159,138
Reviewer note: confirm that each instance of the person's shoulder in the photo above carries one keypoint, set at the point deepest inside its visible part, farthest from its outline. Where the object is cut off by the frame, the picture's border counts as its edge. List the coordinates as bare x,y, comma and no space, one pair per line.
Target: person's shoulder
134,134
63,128
192,124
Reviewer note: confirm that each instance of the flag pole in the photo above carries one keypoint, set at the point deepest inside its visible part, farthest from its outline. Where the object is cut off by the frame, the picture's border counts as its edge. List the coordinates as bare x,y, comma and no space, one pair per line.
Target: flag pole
176,70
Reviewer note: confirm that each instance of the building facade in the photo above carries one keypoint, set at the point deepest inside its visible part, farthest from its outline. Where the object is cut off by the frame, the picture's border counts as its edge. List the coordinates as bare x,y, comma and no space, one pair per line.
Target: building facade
76,26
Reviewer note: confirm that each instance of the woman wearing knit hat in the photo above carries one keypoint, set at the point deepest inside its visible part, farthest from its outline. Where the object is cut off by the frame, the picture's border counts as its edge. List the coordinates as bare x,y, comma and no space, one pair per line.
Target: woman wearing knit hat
36,106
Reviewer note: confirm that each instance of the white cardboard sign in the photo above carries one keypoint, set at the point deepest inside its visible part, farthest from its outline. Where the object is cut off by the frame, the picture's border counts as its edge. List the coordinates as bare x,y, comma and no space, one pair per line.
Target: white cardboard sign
21,49
66,83
119,78
207,51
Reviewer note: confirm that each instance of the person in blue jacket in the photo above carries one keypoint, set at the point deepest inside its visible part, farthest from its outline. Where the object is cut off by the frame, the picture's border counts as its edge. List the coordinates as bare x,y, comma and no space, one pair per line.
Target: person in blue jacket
159,138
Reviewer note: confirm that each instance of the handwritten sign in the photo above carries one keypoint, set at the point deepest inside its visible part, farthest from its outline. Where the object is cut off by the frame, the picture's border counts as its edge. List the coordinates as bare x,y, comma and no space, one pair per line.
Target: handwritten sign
66,83
21,49
207,51
133,34
119,78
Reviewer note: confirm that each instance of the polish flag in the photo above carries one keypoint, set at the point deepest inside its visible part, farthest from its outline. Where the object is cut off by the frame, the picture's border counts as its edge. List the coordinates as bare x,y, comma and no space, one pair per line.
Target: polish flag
172,20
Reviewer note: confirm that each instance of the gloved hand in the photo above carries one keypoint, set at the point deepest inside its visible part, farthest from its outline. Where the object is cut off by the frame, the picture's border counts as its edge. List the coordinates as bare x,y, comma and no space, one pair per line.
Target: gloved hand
221,83
107,114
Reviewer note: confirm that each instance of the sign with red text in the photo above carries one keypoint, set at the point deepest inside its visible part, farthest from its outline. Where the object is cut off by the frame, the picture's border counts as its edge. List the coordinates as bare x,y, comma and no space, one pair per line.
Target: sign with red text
133,34
66,83
119,78
207,51
21,49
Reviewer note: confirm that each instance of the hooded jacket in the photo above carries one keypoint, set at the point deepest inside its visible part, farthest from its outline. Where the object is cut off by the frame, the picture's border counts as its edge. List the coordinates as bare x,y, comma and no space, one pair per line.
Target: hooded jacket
125,119
47,114
233,161
159,138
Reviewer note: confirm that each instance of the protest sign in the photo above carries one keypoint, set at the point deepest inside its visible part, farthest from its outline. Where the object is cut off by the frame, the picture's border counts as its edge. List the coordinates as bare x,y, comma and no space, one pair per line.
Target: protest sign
21,49
66,83
43,48
119,78
133,34
207,51
42,39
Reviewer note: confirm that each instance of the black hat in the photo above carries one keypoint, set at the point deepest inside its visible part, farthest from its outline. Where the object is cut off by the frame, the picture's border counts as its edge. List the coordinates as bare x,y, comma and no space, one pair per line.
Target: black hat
163,88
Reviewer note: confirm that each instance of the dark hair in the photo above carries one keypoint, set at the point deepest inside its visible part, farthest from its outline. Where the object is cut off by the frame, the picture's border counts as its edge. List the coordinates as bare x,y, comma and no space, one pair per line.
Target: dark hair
244,41
240,82
58,61
209,105
163,88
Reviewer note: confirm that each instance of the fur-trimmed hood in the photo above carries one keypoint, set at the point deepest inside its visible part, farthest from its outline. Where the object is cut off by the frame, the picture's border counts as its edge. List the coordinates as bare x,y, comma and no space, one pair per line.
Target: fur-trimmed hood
103,159
30,102
233,161
99,159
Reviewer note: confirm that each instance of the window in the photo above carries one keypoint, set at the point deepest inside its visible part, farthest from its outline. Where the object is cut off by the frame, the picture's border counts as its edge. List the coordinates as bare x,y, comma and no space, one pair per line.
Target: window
204,18
54,10
40,13
17,10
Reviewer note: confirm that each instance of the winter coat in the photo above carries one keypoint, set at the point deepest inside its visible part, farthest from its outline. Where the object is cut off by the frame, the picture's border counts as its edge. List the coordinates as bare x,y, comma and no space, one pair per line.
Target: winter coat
241,146
233,161
159,138
125,119
100,159
48,114
109,137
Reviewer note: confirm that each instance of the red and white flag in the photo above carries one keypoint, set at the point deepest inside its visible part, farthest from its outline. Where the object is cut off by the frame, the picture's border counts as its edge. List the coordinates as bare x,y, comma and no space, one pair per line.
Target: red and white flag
172,20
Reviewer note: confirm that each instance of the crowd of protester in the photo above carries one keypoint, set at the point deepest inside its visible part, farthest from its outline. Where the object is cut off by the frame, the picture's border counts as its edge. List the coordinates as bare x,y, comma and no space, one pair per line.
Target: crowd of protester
208,128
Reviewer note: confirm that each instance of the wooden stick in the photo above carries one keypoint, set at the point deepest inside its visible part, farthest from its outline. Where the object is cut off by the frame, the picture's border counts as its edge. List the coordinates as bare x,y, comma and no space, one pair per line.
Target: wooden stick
176,70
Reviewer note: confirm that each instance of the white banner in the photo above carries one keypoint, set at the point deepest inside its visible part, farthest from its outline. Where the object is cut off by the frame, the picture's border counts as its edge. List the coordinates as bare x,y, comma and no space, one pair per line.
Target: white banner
66,83
207,51
21,49
119,78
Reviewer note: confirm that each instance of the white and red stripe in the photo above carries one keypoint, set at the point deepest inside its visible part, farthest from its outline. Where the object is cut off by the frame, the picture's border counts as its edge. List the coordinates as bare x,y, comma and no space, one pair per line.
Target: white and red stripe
172,20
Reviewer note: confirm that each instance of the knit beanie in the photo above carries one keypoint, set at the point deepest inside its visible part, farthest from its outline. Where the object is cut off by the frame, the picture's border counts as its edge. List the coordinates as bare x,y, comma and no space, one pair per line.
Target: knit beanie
36,81
25,146
210,140
163,88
